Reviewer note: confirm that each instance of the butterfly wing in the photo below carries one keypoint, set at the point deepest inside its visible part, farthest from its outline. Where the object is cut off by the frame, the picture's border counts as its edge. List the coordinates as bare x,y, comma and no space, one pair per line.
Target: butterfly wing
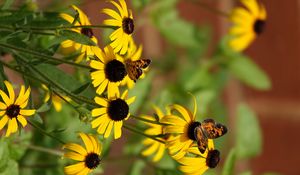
201,139
134,68
212,129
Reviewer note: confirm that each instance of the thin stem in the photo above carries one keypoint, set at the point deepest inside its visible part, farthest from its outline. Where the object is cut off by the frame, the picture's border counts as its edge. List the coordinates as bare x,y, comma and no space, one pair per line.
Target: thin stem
54,28
45,150
209,8
147,120
132,129
58,86
44,132
43,56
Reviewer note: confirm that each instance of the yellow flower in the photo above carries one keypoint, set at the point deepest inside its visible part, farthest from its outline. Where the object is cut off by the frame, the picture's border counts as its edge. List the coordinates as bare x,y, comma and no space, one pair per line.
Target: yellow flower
134,53
124,23
248,23
182,128
70,46
88,157
111,115
109,71
56,100
198,165
153,146
12,110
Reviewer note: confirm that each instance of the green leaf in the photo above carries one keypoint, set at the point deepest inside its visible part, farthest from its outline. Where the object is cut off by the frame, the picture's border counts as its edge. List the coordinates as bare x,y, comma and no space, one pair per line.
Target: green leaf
77,37
204,98
44,107
137,168
141,90
194,79
4,154
81,88
11,168
139,4
248,138
17,150
7,4
248,72
228,168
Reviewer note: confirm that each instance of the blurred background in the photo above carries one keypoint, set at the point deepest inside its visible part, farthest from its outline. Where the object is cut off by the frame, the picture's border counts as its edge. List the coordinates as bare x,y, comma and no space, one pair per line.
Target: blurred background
173,48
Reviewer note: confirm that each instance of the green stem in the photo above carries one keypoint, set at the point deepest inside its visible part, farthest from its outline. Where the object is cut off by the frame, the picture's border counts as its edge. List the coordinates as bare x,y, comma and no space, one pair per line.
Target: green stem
147,120
132,129
45,150
42,56
44,132
209,8
29,28
58,86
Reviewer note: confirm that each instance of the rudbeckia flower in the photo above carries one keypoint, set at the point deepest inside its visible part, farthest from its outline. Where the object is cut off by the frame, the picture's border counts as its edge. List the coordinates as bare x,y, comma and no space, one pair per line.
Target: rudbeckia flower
111,115
12,111
154,147
248,23
88,157
56,100
202,162
109,71
134,53
123,21
69,46
181,127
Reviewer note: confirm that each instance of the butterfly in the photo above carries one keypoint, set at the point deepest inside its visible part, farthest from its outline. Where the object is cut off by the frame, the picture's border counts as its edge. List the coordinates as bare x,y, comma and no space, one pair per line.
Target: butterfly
135,68
208,129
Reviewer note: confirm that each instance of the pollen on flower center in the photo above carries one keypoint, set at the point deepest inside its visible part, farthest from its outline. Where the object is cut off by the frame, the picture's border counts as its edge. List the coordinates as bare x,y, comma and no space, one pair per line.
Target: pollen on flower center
213,158
259,26
13,111
87,32
191,130
92,160
115,71
118,109
128,25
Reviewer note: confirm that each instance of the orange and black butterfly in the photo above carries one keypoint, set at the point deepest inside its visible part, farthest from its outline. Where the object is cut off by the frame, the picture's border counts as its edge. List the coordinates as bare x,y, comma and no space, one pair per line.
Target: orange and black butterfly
208,129
135,68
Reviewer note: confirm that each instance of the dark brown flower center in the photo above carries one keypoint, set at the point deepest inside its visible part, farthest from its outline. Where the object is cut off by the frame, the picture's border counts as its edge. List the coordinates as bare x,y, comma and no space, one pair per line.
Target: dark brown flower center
87,32
118,109
13,111
115,71
128,25
213,158
259,26
92,160
191,130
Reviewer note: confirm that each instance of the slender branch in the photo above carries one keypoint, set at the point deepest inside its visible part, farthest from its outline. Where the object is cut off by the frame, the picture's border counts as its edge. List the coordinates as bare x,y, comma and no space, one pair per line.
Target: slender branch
147,120
132,129
45,150
210,8
43,56
54,28
44,132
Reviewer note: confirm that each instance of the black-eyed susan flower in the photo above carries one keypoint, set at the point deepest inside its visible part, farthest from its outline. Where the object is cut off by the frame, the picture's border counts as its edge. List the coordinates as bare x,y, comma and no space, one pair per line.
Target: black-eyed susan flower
56,100
182,128
109,71
88,157
201,162
134,53
69,46
12,111
154,147
248,23
124,23
110,116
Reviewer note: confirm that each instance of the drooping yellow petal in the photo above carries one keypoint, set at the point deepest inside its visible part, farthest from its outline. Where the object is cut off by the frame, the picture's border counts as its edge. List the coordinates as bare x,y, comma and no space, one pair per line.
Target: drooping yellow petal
112,13
22,120
5,98
76,147
3,121
87,142
11,92
183,111
118,129
74,169
108,129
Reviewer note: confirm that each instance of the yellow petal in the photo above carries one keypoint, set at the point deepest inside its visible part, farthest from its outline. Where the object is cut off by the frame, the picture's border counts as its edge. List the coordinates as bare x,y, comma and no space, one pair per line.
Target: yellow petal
101,101
66,17
22,120
76,148
102,87
130,100
74,169
159,153
2,106
186,114
98,121
5,98
118,129
112,13
11,92
3,121
98,111
27,112
108,129
87,142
